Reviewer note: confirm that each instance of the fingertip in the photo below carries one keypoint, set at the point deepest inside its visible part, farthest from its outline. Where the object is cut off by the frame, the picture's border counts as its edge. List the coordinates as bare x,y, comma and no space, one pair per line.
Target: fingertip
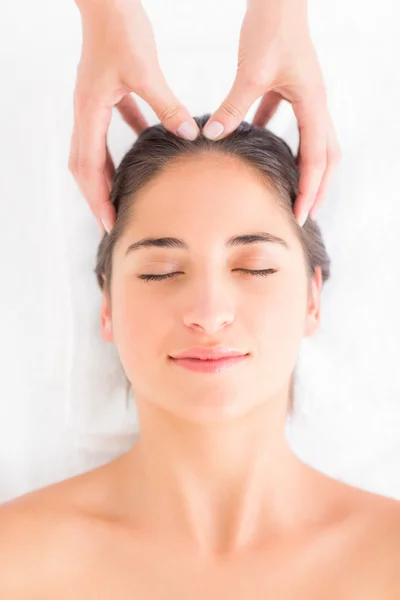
188,130
108,217
302,218
213,129
302,213
106,225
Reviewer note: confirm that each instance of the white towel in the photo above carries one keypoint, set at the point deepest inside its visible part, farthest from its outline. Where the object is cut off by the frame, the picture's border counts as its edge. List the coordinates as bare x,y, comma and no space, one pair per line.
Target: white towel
347,391
56,369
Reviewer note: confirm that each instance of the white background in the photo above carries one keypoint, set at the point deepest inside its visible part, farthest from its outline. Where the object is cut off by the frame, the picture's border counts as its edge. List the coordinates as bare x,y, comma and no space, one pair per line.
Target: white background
61,407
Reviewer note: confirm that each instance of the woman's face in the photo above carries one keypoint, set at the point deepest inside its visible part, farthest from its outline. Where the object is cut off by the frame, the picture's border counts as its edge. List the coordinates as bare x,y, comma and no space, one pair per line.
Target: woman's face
204,201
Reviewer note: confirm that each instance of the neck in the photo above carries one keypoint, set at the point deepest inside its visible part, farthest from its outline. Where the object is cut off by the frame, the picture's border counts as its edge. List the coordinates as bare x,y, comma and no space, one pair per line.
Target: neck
218,487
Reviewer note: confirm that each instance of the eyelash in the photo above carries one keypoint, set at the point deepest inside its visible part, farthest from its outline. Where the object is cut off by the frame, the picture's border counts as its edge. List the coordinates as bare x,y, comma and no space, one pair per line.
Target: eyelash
260,273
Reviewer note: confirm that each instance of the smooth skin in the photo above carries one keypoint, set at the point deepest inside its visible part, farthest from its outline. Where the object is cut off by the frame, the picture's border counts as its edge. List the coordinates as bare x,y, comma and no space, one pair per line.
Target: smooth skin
210,502
277,60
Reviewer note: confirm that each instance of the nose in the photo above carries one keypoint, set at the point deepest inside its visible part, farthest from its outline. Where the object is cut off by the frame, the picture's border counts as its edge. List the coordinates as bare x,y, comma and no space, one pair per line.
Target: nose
210,307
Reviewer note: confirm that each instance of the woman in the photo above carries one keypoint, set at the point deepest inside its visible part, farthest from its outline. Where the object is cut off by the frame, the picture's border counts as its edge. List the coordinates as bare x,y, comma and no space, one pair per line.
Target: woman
205,258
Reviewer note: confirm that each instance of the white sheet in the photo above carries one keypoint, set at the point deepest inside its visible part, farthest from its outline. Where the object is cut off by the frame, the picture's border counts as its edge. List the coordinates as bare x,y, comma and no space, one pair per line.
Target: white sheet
63,408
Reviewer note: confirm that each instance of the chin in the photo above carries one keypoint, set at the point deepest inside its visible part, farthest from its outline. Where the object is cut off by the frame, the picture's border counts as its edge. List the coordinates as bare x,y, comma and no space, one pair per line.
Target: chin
211,407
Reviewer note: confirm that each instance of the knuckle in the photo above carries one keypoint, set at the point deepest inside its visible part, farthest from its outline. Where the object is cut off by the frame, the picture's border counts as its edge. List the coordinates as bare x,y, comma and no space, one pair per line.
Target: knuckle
169,112
321,94
336,155
252,81
85,167
72,166
81,104
317,163
232,111
316,91
143,81
87,100
254,78
72,160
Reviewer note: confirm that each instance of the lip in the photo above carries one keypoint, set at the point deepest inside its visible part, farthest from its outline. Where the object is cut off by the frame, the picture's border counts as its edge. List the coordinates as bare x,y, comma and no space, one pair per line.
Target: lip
209,366
209,354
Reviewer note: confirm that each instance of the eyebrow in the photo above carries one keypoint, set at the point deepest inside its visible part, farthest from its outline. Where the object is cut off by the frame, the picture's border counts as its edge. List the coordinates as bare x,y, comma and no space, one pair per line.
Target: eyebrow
239,240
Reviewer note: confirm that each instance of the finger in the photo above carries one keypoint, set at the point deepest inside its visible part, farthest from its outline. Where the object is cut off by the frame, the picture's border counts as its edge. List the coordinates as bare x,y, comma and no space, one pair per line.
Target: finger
92,140
73,149
267,108
312,121
110,169
173,115
72,166
132,114
232,110
333,157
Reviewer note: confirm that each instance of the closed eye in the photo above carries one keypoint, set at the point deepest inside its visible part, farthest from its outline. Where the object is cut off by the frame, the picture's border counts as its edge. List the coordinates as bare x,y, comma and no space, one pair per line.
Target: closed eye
260,273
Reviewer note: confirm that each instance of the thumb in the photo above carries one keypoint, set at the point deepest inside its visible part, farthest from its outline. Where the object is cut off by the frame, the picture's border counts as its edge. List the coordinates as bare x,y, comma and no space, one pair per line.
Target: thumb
232,110
173,115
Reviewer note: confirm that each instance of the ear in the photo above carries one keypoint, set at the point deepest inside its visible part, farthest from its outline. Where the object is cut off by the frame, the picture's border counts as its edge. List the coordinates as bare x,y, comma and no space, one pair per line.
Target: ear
105,319
313,306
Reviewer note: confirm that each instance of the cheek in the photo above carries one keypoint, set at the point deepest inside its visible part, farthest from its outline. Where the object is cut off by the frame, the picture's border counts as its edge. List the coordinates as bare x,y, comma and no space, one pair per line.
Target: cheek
278,321
138,327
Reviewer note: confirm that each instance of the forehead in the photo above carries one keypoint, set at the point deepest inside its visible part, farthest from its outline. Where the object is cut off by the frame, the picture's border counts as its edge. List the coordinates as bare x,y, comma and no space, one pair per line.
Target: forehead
207,183
207,199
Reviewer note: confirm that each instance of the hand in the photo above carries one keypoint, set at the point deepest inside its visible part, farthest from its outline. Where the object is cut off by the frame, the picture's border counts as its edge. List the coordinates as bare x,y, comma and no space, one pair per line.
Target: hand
277,60
118,57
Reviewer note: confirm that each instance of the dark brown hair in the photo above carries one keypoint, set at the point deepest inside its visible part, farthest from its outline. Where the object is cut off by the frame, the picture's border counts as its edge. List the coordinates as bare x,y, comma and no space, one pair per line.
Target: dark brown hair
269,157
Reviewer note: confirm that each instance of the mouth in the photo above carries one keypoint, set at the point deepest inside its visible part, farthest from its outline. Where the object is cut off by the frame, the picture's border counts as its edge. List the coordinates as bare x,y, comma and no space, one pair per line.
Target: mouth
221,358
206,365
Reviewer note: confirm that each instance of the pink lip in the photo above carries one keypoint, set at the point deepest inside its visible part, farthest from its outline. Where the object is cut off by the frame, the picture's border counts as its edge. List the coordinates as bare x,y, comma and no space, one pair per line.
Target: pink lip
214,353
209,366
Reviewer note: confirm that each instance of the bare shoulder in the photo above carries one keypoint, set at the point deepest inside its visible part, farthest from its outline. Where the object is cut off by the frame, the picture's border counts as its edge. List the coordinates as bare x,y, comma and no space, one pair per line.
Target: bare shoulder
44,535
378,526
385,513
381,514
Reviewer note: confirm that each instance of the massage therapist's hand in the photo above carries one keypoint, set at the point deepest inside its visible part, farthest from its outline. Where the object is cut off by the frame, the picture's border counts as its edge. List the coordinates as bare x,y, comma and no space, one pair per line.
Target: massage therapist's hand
118,57
277,60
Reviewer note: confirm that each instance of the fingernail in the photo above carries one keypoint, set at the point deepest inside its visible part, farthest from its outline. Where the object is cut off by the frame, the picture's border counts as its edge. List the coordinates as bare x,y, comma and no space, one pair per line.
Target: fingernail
302,218
188,131
213,130
107,227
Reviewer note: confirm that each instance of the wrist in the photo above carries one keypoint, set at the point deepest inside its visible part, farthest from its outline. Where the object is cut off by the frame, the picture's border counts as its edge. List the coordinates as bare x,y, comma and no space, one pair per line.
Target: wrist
280,7
289,17
270,4
93,4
